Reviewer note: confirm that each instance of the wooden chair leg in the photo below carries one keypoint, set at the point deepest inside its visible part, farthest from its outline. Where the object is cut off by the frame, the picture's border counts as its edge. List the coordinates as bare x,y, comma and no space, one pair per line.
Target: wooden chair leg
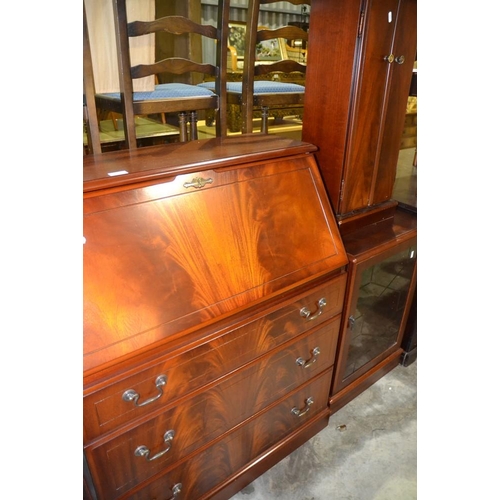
183,127
264,128
114,119
194,125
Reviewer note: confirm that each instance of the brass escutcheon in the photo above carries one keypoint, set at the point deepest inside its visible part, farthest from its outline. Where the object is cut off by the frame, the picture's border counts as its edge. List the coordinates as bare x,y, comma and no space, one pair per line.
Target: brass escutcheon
198,182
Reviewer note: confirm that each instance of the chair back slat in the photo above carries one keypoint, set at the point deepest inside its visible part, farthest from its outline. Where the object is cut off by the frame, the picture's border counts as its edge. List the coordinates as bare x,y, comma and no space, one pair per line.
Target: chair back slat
286,66
174,65
177,25
288,32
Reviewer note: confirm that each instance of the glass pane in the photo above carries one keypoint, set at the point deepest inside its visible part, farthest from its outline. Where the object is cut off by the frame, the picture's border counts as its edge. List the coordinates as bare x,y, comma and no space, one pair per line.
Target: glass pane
379,309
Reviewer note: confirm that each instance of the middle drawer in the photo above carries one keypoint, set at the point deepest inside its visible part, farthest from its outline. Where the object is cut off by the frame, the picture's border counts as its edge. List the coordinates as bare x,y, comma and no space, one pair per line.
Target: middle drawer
142,451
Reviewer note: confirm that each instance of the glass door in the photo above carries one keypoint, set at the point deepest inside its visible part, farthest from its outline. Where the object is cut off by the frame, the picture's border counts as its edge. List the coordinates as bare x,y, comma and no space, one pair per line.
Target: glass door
373,328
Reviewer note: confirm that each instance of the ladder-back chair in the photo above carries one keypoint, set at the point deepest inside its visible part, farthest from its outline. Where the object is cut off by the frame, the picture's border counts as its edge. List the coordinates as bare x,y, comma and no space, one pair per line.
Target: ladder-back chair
181,98
264,94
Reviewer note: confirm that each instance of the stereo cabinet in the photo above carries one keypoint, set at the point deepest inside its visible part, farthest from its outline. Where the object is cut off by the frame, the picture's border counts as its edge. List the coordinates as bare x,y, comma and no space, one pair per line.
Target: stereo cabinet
214,284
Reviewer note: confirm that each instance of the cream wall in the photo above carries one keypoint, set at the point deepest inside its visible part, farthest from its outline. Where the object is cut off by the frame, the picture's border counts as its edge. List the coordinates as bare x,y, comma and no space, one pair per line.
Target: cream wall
103,44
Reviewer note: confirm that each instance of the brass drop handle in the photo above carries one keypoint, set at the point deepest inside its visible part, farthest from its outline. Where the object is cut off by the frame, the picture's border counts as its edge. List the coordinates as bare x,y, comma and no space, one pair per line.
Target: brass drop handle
400,59
134,396
300,413
306,364
144,451
176,490
306,313
389,58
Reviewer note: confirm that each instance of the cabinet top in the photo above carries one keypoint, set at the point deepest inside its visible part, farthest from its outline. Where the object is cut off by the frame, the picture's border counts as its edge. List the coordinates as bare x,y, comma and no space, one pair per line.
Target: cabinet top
126,167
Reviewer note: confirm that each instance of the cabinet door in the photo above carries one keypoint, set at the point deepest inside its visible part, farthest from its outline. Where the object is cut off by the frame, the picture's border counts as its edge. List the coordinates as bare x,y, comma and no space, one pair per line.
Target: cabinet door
404,51
355,105
374,322
379,101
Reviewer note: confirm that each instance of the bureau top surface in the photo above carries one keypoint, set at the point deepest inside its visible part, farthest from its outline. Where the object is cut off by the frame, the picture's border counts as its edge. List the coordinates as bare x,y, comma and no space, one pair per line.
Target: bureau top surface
146,164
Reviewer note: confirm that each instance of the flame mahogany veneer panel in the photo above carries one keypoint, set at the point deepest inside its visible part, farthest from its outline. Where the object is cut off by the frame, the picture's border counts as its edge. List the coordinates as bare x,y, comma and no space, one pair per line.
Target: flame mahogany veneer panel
161,259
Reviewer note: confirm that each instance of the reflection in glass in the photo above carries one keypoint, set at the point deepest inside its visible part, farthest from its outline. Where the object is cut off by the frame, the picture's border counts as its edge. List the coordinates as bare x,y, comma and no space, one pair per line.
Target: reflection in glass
379,310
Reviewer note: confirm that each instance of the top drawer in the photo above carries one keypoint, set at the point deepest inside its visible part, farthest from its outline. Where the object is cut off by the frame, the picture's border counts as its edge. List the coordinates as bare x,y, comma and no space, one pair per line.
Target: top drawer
178,374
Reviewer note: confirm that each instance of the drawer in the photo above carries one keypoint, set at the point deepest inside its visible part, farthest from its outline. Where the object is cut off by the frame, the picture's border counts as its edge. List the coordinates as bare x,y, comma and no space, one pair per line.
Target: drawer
206,470
182,429
109,407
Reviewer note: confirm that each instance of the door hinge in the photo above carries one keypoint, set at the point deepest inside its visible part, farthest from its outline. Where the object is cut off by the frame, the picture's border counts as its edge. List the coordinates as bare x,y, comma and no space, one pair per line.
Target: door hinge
341,190
361,24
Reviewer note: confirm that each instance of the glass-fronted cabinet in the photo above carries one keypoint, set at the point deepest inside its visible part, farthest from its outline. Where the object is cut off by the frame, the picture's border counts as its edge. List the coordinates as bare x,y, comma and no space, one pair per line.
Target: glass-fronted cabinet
380,294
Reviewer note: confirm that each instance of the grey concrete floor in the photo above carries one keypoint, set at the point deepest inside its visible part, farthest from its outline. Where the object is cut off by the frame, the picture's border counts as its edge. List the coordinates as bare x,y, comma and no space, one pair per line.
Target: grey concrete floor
373,458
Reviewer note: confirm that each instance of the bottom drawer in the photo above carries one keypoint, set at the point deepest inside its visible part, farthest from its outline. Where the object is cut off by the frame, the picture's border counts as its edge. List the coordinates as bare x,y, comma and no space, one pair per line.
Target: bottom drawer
201,473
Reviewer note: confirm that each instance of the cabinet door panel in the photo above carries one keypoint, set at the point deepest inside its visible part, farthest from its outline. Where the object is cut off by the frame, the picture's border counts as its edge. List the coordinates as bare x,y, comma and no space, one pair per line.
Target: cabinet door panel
369,104
405,45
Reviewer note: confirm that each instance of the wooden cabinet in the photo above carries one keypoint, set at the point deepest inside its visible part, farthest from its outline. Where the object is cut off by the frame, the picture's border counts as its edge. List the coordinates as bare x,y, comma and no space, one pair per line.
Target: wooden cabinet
380,292
370,46
214,283
357,124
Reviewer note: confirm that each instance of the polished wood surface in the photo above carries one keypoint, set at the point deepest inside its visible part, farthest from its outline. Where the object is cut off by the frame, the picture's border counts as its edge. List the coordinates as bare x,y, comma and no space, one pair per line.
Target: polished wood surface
202,475
195,254
210,326
164,162
358,148
333,28
206,281
405,44
374,238
380,290
189,370
209,413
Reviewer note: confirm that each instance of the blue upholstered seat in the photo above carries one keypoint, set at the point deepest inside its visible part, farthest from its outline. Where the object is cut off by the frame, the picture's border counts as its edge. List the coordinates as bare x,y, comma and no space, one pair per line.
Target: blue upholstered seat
260,87
168,91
